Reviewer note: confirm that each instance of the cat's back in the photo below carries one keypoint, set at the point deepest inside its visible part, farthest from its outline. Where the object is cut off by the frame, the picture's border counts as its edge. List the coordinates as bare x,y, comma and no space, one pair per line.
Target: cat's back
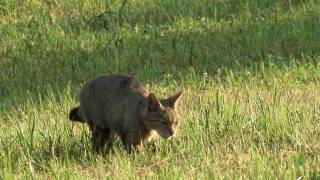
111,85
106,99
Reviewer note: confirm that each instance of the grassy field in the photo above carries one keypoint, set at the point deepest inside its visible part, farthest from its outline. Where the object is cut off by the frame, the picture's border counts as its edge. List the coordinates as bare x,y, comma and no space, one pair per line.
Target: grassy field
250,73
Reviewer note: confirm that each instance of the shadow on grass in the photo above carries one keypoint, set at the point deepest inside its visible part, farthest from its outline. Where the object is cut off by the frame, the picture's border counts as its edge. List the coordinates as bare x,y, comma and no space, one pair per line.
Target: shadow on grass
44,65
167,12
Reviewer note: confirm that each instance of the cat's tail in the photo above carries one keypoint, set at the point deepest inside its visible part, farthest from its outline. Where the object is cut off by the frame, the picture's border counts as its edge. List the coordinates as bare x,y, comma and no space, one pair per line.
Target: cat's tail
75,115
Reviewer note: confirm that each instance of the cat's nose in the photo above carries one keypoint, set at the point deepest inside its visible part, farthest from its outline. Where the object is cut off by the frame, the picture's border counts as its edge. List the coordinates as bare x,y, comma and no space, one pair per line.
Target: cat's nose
171,132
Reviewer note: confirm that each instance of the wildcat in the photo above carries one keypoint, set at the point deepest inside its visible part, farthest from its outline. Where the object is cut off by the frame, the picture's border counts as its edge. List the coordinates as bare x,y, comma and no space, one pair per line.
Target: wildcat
119,106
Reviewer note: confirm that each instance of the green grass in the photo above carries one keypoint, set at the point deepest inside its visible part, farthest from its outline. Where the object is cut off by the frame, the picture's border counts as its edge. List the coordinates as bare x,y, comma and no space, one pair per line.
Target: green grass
250,72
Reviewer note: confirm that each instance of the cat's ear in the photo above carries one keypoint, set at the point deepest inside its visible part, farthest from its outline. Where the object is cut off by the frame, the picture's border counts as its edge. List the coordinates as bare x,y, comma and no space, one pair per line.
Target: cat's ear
173,100
153,102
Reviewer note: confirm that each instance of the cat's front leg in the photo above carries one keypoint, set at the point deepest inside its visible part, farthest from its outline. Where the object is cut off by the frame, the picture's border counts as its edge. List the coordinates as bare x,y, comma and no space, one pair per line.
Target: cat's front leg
132,141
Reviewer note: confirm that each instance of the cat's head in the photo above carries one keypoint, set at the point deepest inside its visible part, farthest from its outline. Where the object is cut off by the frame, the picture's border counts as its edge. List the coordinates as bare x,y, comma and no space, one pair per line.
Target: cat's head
162,115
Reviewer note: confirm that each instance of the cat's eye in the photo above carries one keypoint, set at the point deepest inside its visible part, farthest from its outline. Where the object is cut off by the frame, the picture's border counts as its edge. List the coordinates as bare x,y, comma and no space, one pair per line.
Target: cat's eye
165,123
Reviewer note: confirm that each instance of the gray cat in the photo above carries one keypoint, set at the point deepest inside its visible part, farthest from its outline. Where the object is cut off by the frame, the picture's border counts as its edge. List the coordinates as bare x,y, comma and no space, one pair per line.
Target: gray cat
118,105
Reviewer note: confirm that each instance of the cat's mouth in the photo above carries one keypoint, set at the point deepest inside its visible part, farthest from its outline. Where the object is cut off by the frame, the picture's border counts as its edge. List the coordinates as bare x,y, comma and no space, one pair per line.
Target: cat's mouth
166,134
